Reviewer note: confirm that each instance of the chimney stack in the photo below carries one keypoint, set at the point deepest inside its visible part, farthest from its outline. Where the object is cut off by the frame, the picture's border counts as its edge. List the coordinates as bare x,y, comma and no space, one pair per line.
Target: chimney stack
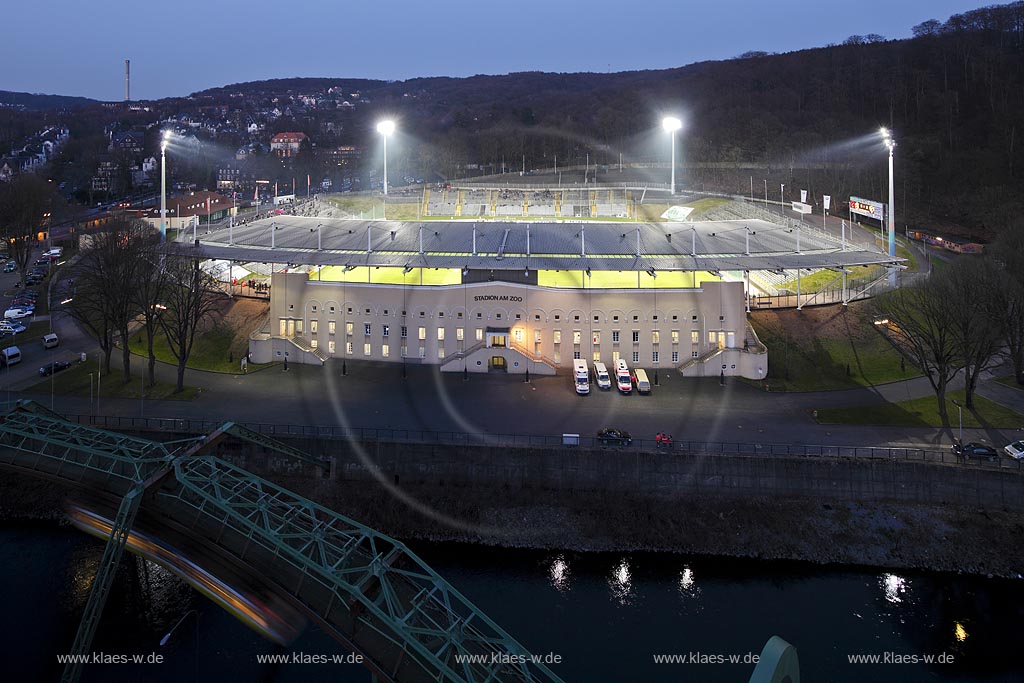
127,80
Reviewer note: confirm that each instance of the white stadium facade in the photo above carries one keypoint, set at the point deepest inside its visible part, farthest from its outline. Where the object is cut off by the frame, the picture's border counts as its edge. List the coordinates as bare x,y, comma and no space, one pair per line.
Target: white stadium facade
523,297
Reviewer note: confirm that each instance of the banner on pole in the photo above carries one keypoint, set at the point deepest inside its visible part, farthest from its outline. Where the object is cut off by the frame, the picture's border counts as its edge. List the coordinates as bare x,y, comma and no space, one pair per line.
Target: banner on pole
866,207
803,196
828,200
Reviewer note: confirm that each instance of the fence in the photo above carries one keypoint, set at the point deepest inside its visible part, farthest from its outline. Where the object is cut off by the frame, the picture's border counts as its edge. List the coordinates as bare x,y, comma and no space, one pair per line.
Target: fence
678,448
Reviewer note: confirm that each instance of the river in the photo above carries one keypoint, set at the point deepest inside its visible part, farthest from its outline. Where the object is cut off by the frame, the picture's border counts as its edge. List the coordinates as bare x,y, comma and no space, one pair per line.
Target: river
605,616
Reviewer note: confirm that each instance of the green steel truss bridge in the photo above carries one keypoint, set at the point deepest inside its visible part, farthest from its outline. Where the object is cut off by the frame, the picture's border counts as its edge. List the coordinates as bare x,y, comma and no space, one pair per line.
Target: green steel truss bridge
365,589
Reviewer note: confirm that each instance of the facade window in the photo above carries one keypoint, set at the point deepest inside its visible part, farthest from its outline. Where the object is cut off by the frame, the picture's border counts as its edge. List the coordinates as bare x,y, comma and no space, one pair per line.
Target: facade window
313,326
298,326
367,311
675,356
675,336
405,332
519,316
576,318
366,349
536,317
312,343
385,312
615,318
693,354
655,337
423,352
575,355
615,357
636,336
536,336
459,315
385,330
557,334
576,336
517,334
423,314
615,336
440,314
350,328
597,337
479,334
332,310
497,316
636,356
440,352
366,329
558,356
712,337
330,347
348,348
479,315
440,334
635,318
597,356
654,357
695,336
459,334
597,318
675,318
422,334
694,318
404,351
557,318
331,327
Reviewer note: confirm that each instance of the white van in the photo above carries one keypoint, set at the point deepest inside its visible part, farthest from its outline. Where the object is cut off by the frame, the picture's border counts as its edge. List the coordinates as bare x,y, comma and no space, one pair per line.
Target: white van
10,356
622,378
643,385
50,341
581,375
601,375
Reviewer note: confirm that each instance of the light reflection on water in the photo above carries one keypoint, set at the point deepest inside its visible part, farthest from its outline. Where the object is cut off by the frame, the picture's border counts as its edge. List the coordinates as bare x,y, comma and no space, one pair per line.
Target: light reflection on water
559,574
620,581
895,588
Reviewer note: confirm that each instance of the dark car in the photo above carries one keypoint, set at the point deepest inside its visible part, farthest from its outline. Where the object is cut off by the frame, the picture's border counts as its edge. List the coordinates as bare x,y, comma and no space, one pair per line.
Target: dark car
54,367
614,437
975,450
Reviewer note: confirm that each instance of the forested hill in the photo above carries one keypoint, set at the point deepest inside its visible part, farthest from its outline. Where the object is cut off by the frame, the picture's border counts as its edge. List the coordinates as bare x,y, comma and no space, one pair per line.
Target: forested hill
36,102
953,94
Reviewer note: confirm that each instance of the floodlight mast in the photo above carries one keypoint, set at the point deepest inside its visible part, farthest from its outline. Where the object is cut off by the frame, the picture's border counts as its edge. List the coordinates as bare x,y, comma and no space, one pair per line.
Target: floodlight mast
671,124
890,144
386,128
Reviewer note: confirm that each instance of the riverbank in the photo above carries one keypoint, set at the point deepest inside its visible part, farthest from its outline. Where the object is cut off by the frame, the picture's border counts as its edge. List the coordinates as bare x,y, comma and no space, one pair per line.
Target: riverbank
970,540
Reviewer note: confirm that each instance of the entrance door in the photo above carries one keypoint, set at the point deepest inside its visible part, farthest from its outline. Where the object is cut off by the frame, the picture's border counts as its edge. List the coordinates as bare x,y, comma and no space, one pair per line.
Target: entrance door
498,364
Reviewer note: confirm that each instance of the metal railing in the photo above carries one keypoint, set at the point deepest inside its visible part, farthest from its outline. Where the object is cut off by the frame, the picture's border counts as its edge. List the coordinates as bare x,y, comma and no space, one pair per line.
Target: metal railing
680,447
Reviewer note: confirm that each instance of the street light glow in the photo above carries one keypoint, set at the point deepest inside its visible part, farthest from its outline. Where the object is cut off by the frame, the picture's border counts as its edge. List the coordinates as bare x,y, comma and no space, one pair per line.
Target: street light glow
386,128
671,124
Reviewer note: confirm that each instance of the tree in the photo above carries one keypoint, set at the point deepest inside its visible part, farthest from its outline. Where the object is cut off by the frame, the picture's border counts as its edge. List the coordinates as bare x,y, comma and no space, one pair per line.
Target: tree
918,326
147,298
1008,296
24,203
191,295
105,277
968,286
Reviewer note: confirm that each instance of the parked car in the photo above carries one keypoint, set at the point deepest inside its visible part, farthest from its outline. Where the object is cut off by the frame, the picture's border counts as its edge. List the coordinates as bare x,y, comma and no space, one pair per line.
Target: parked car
11,327
975,450
17,313
54,367
10,267
614,437
1015,450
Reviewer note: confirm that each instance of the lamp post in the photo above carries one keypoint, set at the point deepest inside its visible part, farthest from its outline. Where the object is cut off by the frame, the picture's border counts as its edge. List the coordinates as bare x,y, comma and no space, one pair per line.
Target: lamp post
890,144
960,417
386,128
163,185
671,124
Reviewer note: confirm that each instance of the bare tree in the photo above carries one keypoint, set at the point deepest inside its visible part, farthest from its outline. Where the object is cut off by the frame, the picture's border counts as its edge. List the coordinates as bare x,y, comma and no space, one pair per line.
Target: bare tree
918,326
191,294
24,203
968,285
148,295
105,278
1008,254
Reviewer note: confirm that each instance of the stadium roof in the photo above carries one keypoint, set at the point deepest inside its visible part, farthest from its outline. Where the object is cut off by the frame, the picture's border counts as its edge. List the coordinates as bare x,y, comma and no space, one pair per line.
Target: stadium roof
720,245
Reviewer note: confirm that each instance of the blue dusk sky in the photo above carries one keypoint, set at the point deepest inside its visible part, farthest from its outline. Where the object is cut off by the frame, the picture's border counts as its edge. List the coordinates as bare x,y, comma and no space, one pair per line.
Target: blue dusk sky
71,47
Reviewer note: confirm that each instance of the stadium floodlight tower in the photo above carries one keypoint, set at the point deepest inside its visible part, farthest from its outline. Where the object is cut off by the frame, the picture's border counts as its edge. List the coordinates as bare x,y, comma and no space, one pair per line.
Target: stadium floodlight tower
671,124
164,139
890,144
386,128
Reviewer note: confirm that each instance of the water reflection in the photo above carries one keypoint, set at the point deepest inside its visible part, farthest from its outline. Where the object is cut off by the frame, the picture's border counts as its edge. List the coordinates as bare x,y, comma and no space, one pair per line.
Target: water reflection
621,583
895,588
688,588
960,632
559,574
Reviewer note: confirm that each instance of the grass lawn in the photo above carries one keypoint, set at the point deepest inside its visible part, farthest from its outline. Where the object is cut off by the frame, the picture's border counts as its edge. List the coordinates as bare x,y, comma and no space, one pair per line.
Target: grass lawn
848,352
31,335
76,381
706,204
214,351
924,412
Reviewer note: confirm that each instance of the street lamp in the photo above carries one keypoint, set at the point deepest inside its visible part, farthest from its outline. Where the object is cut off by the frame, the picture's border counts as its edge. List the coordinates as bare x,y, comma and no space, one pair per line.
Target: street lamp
671,124
163,184
386,128
960,415
890,144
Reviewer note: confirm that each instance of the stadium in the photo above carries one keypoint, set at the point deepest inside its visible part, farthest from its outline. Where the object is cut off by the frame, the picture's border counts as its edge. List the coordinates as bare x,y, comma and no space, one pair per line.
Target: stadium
526,280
